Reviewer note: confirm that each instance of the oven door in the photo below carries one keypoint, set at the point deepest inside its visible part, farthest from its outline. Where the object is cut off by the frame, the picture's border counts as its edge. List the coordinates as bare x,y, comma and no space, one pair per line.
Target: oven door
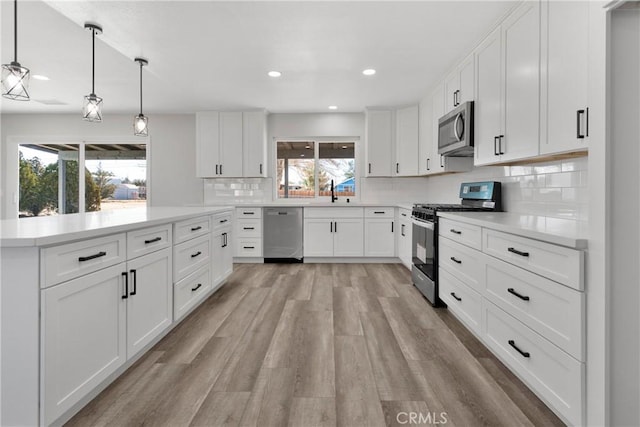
423,251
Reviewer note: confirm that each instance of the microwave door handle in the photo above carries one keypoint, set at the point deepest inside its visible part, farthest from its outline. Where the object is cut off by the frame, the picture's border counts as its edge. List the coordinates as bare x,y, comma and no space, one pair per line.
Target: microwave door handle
455,127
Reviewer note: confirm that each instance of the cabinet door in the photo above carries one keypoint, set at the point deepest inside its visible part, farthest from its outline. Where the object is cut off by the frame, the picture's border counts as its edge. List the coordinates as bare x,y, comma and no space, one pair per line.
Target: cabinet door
451,87
407,122
404,241
565,74
222,255
379,237
150,302
254,145
318,237
437,112
207,144
348,237
379,135
425,136
488,101
521,71
83,326
230,144
467,80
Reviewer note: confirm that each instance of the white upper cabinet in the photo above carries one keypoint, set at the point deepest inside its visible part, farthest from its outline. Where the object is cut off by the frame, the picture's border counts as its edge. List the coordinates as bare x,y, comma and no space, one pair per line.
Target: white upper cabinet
425,136
230,144
379,146
254,143
507,92
407,141
207,143
564,62
460,84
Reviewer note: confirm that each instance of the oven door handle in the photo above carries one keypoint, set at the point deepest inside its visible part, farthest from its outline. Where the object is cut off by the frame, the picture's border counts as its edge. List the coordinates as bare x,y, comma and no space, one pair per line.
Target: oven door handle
423,224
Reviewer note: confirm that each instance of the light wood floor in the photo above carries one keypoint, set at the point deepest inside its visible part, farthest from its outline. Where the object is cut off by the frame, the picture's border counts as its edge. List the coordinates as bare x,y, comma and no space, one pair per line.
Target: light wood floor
317,344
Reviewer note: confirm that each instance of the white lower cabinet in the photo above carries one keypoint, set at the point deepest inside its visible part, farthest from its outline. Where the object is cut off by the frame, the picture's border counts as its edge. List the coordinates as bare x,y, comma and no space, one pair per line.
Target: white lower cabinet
348,237
404,237
327,237
523,299
150,299
379,237
318,237
222,252
84,337
190,290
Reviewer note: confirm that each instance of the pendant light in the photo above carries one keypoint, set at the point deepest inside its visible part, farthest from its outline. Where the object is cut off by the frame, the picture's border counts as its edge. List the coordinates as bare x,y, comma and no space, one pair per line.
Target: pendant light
15,78
91,108
140,121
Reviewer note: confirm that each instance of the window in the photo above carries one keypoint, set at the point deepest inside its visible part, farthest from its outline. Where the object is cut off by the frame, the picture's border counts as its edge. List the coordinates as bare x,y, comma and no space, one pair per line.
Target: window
306,169
115,177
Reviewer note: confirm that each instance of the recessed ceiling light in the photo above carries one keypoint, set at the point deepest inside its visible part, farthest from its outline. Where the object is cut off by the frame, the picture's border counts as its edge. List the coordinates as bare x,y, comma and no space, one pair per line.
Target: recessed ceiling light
369,72
274,73
333,107
39,77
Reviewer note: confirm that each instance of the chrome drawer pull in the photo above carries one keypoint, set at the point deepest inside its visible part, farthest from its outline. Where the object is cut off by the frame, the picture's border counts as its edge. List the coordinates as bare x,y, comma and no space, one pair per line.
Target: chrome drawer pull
526,354
196,254
455,231
522,297
157,239
94,256
457,261
517,252
196,288
196,228
453,294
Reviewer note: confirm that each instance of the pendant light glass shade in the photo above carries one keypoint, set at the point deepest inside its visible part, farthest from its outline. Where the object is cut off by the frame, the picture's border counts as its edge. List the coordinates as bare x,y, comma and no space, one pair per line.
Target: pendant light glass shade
92,106
15,77
140,121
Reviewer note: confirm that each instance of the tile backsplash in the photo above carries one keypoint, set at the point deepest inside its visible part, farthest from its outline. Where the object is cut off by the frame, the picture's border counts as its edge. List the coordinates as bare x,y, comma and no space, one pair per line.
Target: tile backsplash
556,189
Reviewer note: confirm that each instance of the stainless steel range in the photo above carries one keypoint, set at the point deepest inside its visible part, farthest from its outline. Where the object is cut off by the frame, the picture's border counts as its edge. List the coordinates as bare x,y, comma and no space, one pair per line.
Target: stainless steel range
476,196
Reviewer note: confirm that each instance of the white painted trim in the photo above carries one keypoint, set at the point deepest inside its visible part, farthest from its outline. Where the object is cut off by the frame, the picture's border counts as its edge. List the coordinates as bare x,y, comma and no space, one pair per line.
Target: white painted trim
354,260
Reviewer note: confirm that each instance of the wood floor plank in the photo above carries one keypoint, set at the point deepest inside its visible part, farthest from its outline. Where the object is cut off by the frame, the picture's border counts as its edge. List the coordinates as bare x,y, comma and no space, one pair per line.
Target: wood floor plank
357,401
433,400
376,283
346,320
312,412
254,404
322,294
221,409
286,338
322,269
276,404
181,400
315,366
423,315
238,321
391,371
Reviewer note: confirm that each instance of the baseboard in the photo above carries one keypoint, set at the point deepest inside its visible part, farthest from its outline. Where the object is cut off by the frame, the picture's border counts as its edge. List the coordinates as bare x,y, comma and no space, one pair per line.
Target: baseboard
352,260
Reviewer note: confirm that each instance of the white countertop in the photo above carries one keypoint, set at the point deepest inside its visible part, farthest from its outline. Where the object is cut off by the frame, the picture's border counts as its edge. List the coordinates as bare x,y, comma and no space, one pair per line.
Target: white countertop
565,232
339,204
48,230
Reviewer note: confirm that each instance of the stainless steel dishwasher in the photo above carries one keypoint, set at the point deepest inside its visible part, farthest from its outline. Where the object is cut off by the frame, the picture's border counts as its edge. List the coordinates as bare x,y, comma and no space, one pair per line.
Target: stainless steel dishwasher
282,234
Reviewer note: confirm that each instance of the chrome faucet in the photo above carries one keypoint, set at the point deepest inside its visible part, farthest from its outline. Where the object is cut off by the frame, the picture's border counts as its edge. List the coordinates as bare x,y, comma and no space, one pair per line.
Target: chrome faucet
333,196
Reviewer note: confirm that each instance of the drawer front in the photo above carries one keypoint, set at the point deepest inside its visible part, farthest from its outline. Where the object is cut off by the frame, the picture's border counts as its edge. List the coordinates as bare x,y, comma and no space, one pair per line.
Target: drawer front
467,234
247,247
555,262
554,311
461,300
190,290
550,372
221,220
383,212
249,228
333,212
65,262
248,213
147,240
190,256
191,228
463,262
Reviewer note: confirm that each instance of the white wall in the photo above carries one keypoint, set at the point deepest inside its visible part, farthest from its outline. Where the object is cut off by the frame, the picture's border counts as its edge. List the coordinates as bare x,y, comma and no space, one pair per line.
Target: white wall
172,146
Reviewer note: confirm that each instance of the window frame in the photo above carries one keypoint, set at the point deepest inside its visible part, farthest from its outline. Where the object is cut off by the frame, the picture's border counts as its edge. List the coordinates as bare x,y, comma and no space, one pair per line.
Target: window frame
316,157
10,210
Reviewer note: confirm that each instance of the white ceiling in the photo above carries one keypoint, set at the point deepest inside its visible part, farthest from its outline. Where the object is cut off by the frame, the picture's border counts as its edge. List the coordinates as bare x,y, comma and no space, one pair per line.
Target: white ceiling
207,55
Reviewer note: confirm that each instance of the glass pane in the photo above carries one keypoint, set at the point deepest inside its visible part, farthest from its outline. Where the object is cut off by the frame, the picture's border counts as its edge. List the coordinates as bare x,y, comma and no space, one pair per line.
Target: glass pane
118,176
48,179
295,170
336,161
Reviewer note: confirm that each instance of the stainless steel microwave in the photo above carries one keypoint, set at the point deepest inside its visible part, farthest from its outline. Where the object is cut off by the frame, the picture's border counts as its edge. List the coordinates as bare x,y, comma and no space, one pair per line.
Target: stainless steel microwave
455,132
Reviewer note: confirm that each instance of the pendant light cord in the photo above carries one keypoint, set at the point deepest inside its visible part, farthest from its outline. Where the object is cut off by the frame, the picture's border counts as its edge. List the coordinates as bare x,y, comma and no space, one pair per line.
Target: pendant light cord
93,61
15,31
140,87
